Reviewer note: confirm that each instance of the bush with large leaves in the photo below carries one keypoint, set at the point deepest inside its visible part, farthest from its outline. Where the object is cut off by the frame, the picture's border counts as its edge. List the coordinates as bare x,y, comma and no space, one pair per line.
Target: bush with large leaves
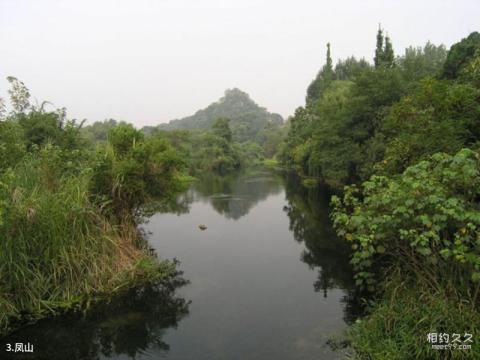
427,218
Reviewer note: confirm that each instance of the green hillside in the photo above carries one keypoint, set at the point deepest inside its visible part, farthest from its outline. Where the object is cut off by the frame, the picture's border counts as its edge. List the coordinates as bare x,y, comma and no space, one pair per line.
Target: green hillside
247,118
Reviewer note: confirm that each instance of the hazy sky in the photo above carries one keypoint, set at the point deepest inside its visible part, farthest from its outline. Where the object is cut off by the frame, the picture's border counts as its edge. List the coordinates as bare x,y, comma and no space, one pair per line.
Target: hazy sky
151,61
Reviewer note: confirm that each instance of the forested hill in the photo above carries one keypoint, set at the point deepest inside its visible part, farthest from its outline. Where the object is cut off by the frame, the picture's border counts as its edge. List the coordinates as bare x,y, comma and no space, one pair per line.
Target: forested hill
246,117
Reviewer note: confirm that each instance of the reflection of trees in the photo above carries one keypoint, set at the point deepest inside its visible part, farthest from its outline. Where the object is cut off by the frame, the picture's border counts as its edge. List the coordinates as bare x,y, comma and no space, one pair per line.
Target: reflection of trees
177,205
235,194
308,211
128,325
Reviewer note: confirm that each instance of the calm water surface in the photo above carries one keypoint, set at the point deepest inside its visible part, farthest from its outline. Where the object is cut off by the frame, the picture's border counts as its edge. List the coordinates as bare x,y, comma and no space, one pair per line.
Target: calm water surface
267,279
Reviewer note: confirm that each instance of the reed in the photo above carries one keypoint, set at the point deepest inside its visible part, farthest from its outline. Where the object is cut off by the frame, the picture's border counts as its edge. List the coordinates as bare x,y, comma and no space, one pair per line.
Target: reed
58,251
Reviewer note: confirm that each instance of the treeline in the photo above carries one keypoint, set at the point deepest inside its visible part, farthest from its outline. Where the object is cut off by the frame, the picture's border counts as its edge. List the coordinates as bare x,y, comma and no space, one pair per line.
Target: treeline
404,134
69,209
213,149
360,119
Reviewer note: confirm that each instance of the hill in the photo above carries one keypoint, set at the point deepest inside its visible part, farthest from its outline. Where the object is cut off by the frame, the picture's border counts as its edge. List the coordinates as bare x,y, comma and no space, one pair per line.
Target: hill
247,118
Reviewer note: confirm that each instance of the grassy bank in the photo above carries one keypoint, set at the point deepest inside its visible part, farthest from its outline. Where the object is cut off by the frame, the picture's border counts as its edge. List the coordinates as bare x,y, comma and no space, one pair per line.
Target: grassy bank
58,250
399,323
69,210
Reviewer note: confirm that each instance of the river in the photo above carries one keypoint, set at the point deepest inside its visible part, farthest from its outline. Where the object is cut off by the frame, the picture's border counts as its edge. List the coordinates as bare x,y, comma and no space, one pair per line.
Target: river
266,279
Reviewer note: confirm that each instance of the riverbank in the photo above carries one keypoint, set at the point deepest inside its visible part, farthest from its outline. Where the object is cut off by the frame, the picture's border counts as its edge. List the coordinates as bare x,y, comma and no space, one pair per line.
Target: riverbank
60,253
69,213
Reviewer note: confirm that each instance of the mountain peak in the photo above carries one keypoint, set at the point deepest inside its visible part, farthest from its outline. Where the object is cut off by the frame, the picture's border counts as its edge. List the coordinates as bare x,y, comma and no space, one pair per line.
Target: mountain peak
247,118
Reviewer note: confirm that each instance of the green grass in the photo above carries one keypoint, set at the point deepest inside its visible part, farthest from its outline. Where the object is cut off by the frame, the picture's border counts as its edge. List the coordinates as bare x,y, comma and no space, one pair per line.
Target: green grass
271,162
398,325
57,250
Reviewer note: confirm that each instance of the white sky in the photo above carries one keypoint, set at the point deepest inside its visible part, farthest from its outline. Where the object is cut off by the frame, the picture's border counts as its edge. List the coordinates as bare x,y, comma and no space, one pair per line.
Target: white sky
147,61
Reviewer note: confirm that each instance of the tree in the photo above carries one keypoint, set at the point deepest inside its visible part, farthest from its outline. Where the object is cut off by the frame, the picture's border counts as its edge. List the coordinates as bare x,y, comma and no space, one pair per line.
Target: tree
221,128
388,55
460,54
384,55
324,77
378,59
124,138
440,116
329,65
349,68
418,63
19,95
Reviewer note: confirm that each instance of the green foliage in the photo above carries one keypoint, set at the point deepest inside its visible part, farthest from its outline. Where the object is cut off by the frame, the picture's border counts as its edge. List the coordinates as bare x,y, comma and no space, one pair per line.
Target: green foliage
19,95
471,72
98,131
409,126
12,148
221,128
388,56
130,171
336,139
332,156
384,51
349,68
387,117
427,218
438,117
400,322
123,138
379,48
460,55
57,250
60,247
418,63
270,139
323,79
246,117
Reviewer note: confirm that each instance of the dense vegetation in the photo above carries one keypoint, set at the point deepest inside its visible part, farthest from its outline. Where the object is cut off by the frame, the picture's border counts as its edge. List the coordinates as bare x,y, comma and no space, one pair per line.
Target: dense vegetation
247,118
231,133
398,140
403,133
68,211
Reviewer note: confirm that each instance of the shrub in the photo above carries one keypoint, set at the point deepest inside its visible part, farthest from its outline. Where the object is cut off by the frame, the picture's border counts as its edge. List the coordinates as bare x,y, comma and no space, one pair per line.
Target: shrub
427,219
131,170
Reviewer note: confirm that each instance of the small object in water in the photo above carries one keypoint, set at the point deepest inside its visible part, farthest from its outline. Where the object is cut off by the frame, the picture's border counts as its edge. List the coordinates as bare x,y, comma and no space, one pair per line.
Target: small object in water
202,227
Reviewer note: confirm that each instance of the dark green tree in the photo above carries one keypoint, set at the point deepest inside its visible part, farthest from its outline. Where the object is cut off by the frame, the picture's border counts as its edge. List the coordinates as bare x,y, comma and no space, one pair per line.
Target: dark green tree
349,68
420,62
324,77
378,59
460,55
388,55
221,128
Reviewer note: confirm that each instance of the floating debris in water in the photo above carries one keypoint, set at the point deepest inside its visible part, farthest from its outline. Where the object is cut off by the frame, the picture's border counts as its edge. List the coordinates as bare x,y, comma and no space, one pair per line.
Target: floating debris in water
202,227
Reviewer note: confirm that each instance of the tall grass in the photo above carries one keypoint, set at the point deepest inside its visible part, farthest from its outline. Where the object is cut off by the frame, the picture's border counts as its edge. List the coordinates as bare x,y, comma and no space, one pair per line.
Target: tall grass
57,250
409,310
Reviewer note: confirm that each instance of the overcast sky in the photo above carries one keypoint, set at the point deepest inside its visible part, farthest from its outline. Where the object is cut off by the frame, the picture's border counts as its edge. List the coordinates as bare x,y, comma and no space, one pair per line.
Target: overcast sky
150,61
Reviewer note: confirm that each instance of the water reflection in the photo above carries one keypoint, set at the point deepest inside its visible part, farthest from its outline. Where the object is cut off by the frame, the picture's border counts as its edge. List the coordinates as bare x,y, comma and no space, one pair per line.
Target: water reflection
251,296
235,194
308,211
131,325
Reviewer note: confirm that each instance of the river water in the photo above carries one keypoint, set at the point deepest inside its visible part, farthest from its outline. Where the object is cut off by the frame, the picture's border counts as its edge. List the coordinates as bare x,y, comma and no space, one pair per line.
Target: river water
267,279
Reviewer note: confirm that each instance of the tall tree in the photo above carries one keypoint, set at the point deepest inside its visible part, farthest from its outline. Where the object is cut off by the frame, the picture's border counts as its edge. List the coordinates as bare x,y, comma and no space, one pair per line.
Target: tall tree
329,64
388,55
378,59
324,77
